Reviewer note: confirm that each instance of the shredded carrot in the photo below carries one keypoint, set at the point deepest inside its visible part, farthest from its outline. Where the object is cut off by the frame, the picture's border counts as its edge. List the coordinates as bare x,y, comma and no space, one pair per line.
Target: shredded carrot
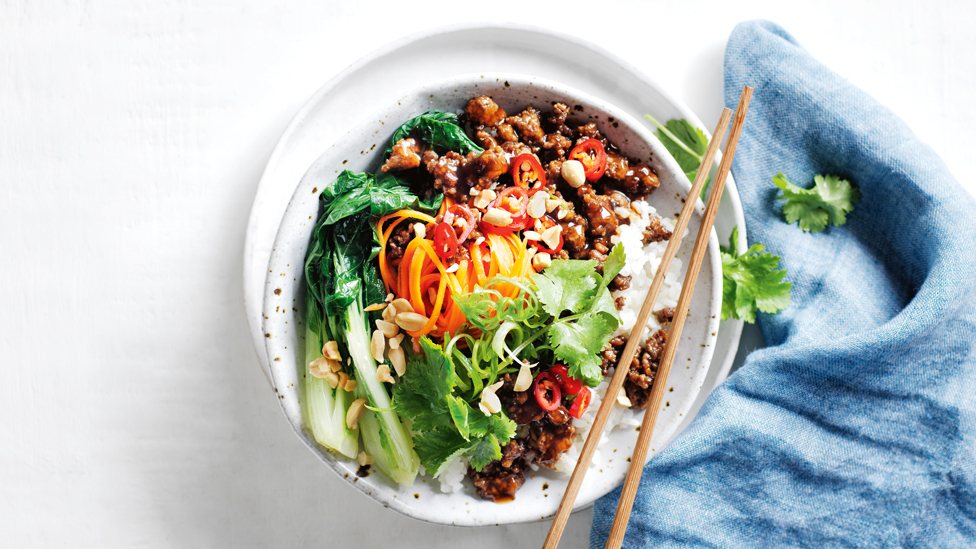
420,270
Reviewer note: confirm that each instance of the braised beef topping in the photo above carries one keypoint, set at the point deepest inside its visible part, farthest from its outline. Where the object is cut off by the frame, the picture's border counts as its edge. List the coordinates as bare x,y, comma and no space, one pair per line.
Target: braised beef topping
484,110
550,440
528,125
620,282
655,232
398,241
500,479
643,369
406,154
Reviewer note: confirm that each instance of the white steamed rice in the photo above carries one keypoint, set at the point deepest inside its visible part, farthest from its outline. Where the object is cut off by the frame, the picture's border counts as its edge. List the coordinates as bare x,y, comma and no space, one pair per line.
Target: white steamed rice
641,263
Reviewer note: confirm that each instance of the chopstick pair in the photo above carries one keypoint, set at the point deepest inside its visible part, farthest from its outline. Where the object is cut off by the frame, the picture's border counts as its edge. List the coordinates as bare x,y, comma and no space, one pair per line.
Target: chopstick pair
622,516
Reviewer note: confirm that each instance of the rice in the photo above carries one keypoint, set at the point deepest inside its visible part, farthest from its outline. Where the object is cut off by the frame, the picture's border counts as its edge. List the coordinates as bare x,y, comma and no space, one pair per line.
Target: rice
641,263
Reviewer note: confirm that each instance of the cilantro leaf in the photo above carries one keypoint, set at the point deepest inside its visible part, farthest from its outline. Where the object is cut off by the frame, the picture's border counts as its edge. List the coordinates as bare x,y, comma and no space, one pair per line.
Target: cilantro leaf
427,414
566,284
614,262
577,344
494,431
751,282
485,451
603,303
828,202
439,447
687,145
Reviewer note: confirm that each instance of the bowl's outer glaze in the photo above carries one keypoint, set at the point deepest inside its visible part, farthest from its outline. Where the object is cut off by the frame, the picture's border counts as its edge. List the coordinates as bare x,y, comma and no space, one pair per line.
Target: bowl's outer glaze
361,150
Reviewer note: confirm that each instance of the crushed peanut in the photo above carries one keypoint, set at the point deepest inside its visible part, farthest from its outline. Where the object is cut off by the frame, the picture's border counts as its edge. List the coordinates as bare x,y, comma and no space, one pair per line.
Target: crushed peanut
484,198
383,373
537,204
377,345
364,459
453,268
532,235
343,378
541,260
356,409
389,313
420,229
402,306
552,204
318,367
374,307
331,350
573,172
332,379
350,385
497,217
389,329
551,236
411,322
397,358
622,399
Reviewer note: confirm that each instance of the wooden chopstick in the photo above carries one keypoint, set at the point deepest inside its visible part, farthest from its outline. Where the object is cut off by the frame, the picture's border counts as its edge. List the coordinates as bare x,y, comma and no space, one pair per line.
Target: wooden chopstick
631,483
633,343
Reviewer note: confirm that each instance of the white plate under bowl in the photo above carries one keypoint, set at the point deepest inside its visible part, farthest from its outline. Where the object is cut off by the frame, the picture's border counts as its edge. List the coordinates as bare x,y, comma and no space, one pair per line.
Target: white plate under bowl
360,150
426,56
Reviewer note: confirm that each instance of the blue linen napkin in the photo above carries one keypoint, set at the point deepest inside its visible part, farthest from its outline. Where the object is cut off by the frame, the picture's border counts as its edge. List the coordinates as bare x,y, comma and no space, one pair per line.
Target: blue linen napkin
855,427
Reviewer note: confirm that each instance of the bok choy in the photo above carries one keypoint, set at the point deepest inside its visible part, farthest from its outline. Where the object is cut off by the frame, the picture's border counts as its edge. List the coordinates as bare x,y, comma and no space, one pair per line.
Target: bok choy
340,280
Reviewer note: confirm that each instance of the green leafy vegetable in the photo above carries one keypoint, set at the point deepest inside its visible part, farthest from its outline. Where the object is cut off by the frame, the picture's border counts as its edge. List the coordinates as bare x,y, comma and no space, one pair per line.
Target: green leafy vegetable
575,287
440,130
687,145
613,264
829,201
751,281
448,426
338,278
566,285
578,343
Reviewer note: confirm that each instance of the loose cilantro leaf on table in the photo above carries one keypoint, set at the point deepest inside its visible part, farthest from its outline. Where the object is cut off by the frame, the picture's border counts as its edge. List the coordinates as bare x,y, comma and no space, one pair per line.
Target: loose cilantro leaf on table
828,202
687,145
751,281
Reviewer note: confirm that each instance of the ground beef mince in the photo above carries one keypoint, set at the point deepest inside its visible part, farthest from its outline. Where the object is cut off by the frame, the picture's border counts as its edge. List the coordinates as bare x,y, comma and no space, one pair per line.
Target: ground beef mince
483,110
406,154
574,235
643,369
557,120
550,439
500,479
664,316
488,166
620,282
655,232
398,241
528,125
520,407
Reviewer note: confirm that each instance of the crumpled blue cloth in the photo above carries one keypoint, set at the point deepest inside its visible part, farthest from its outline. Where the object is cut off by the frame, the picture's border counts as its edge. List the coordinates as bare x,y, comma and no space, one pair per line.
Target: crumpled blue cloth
856,426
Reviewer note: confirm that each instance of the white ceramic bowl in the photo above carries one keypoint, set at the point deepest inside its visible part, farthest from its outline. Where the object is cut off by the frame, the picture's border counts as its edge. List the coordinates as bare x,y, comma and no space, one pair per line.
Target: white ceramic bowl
361,150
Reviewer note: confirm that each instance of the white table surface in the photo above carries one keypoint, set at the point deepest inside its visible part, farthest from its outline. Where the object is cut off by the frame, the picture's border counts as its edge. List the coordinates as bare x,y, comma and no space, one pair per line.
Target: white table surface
133,411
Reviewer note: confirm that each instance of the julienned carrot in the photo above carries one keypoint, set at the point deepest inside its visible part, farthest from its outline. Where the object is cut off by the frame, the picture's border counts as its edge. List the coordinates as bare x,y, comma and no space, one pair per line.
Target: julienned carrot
415,275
